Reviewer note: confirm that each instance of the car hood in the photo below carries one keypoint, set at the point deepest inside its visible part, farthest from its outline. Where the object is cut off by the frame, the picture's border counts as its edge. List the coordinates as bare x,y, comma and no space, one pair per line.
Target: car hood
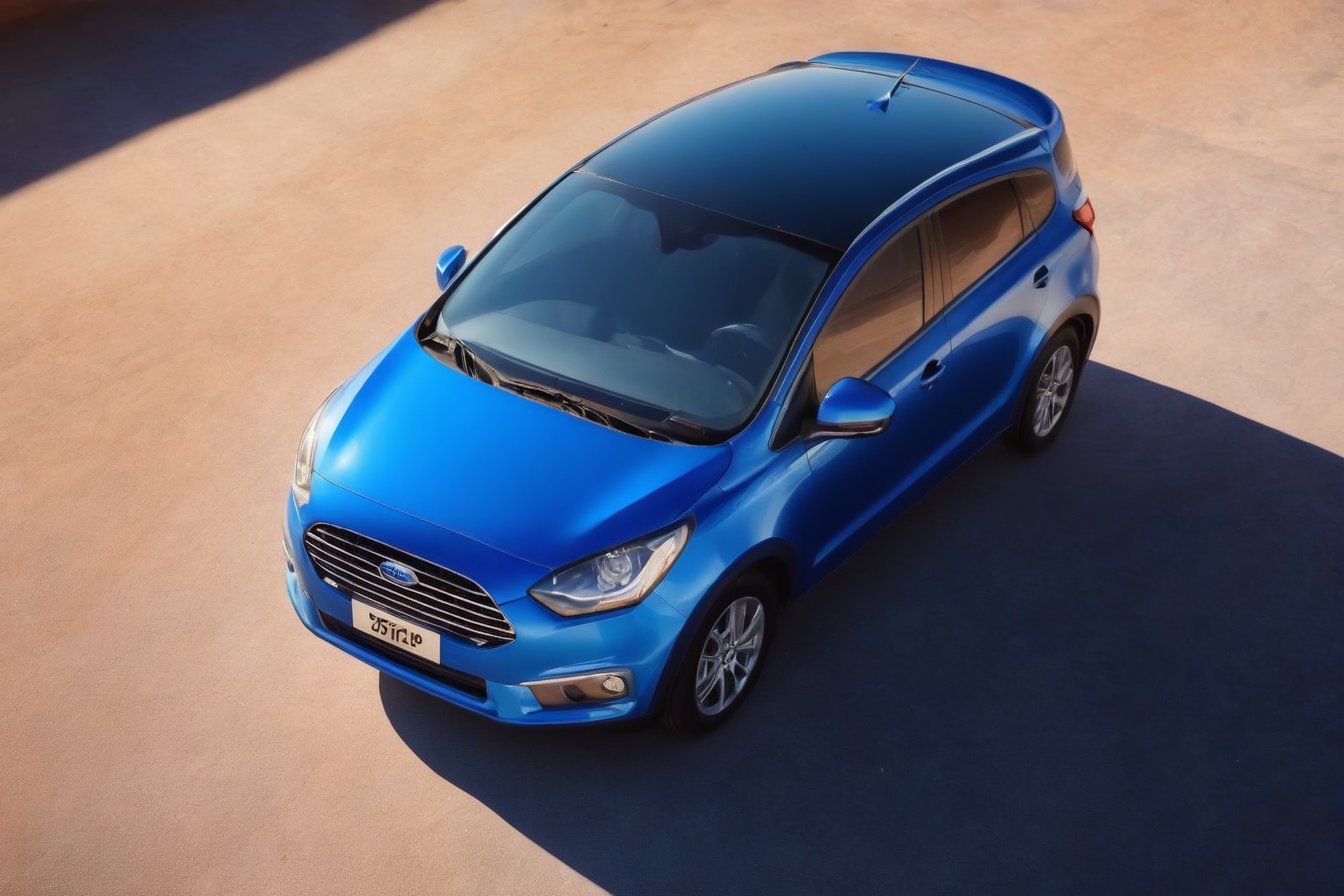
526,478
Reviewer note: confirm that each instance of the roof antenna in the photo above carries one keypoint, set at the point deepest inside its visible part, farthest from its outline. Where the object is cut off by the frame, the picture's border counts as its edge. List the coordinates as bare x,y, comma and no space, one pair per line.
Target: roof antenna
880,105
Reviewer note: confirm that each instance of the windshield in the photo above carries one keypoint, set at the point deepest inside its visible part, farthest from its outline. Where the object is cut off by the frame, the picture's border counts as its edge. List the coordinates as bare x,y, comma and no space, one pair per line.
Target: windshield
662,311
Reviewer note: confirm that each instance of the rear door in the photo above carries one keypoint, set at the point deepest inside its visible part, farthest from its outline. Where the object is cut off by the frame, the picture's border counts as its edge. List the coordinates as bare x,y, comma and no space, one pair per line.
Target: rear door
994,281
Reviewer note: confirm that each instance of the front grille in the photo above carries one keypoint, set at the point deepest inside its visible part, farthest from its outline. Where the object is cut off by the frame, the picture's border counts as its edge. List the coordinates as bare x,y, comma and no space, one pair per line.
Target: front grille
468,684
446,601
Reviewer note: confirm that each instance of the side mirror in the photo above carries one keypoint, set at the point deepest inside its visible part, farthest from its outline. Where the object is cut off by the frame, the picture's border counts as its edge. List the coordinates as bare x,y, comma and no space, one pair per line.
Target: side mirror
449,263
852,408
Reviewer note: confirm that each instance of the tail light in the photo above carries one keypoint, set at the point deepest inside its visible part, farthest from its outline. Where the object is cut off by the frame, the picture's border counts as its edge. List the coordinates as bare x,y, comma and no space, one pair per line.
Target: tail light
1084,215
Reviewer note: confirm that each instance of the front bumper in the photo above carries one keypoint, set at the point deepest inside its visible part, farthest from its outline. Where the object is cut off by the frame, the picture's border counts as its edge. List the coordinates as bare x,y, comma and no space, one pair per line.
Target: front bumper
637,640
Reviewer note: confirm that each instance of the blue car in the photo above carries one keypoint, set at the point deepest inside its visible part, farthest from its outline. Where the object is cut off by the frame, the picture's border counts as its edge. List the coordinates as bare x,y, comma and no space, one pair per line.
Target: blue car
688,380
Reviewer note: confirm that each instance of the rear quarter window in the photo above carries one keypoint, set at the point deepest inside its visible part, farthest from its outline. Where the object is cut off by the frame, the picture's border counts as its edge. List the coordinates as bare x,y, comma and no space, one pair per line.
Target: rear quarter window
1064,159
1037,190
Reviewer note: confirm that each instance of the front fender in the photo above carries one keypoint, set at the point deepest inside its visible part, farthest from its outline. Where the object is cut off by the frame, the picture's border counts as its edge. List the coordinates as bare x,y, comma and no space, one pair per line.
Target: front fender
772,551
735,531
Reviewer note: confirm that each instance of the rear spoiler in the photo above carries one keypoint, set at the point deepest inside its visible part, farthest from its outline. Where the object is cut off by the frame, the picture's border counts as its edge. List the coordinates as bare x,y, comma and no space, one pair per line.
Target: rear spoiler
1025,105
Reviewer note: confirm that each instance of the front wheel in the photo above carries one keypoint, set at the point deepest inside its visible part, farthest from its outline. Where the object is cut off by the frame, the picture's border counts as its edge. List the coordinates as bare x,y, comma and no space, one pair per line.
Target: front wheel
1048,393
725,656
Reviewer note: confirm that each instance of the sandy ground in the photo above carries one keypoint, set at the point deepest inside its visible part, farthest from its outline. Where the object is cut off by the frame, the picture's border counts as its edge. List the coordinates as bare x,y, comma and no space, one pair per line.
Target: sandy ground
175,305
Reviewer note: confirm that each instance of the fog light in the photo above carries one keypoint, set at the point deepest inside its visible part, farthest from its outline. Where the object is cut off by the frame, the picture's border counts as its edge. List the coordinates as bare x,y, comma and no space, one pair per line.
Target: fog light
597,687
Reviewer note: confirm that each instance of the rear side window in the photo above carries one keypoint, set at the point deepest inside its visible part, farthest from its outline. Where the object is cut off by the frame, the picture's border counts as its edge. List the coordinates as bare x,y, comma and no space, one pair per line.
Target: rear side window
979,229
1038,195
1064,159
882,308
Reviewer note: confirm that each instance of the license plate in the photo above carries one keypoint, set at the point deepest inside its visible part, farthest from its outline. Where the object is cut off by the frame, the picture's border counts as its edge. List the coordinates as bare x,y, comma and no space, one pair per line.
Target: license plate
398,632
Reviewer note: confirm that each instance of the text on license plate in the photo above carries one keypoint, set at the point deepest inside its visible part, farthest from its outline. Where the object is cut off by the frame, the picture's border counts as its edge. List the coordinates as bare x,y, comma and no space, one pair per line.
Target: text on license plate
408,636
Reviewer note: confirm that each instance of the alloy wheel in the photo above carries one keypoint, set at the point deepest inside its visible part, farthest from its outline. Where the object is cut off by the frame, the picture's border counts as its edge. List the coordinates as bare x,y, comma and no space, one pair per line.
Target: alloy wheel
1052,391
729,655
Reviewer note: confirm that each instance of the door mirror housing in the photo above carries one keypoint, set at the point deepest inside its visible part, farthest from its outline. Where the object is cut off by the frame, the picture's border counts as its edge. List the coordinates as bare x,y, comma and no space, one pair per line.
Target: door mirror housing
449,263
852,408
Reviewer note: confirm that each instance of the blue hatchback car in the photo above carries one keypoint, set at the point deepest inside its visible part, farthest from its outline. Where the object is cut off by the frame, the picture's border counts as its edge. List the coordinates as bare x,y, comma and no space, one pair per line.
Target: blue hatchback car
688,380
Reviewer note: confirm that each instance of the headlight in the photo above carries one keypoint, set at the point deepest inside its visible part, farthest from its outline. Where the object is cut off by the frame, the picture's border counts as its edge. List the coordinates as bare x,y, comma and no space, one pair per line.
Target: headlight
303,464
618,578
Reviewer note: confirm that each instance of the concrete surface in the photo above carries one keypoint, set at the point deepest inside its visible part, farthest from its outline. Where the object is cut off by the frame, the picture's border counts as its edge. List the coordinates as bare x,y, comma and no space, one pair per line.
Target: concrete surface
1134,685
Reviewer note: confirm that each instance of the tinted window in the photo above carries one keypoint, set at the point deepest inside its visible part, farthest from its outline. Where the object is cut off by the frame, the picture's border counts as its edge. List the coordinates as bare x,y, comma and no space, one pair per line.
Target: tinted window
1038,194
979,229
1064,159
882,308
638,302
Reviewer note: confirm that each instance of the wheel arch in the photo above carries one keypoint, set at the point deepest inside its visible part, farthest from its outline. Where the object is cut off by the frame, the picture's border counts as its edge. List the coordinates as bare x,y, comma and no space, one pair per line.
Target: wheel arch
1084,315
775,558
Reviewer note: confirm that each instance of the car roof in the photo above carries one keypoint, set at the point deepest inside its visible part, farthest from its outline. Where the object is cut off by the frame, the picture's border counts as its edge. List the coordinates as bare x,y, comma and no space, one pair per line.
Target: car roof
805,148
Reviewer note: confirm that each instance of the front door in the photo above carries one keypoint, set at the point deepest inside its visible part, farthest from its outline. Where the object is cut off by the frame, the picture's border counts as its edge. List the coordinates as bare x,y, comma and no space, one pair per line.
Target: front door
877,332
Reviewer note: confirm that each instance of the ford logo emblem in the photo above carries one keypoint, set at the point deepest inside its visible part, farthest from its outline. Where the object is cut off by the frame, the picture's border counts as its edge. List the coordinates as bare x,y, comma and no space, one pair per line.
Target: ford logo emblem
395,572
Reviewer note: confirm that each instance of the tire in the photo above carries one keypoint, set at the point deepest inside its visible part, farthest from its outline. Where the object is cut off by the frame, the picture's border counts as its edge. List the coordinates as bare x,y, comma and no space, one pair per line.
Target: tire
1036,427
684,712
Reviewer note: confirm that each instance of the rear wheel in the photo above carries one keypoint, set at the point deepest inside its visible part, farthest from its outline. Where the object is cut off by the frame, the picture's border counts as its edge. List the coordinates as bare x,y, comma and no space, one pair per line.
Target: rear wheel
1047,394
724,660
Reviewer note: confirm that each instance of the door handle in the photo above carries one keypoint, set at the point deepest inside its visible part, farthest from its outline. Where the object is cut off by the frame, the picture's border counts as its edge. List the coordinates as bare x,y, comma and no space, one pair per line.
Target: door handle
1041,277
932,371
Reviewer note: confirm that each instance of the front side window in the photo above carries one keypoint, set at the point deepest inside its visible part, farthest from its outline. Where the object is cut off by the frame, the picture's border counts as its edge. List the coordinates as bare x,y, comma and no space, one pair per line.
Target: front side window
882,308
676,316
979,229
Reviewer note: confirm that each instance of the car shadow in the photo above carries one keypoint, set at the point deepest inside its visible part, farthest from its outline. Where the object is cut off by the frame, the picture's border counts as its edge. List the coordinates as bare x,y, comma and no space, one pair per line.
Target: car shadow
1113,667
79,80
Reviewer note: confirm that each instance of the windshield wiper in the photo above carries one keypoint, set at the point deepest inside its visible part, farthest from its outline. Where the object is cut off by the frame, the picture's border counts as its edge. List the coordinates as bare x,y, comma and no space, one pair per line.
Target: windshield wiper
579,408
464,357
